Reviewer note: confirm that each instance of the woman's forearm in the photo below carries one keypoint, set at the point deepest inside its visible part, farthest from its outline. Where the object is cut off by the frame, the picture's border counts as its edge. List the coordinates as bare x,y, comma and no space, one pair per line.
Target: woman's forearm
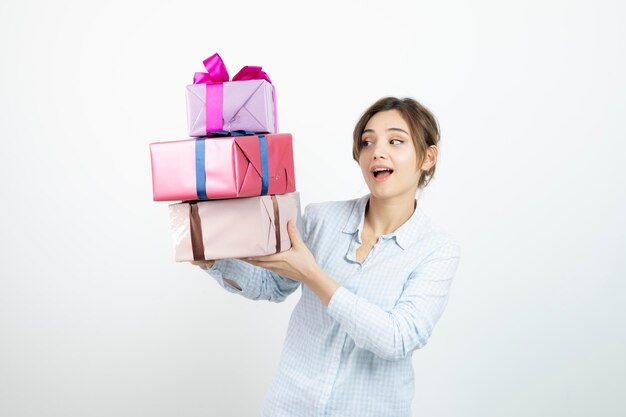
321,284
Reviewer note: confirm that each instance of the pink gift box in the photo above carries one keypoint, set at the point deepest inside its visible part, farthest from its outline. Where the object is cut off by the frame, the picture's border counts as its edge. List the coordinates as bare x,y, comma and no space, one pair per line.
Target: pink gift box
233,228
223,167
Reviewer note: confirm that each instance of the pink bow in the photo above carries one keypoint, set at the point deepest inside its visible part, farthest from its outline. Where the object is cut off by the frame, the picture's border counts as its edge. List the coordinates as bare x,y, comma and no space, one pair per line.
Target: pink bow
217,73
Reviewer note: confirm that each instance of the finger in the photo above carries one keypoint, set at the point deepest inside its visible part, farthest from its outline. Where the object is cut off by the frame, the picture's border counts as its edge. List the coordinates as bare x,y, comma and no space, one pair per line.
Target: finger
203,263
258,262
294,235
266,258
266,265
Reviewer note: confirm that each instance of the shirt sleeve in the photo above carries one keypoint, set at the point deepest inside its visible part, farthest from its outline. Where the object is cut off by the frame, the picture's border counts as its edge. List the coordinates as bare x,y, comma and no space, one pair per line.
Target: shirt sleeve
256,283
397,333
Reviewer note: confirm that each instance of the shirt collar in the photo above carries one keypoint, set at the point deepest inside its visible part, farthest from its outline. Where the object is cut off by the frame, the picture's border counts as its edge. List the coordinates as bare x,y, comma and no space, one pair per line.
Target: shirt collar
404,235
357,216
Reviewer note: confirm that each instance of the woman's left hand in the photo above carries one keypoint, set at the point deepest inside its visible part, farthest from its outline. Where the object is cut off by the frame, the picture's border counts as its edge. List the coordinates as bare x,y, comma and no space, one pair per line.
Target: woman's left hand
296,263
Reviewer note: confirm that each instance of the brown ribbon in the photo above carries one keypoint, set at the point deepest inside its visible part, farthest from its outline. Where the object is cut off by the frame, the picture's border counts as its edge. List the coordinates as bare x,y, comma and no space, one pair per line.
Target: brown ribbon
195,227
276,222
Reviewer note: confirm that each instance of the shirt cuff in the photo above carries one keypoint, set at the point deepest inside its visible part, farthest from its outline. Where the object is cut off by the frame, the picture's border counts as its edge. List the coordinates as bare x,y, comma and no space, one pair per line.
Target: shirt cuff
342,304
216,274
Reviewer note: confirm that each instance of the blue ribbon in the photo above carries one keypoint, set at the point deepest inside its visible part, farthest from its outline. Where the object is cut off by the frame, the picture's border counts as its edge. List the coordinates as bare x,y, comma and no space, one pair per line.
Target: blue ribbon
200,169
264,168
220,133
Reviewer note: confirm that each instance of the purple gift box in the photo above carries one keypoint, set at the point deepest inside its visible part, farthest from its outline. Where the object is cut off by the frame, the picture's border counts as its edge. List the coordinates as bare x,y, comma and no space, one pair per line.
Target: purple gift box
236,105
216,103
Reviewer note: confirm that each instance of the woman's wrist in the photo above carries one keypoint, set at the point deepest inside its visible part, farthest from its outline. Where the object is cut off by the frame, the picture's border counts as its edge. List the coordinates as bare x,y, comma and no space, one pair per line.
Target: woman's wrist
321,284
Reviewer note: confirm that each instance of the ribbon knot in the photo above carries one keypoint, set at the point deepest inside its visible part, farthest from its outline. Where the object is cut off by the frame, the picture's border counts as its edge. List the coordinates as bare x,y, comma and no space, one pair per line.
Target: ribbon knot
217,72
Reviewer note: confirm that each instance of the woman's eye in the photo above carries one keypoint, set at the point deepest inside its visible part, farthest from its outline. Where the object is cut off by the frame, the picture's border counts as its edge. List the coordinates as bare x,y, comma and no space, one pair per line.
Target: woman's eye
396,141
365,143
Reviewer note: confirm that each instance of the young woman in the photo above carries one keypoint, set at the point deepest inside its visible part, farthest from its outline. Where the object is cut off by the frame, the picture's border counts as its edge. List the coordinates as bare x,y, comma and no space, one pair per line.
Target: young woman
375,275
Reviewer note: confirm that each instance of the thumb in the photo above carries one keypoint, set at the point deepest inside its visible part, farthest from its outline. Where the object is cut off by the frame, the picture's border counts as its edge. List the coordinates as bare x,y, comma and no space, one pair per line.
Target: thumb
294,235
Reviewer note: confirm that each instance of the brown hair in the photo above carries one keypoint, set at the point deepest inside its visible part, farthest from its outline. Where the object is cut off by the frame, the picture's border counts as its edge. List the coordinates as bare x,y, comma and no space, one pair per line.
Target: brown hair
423,126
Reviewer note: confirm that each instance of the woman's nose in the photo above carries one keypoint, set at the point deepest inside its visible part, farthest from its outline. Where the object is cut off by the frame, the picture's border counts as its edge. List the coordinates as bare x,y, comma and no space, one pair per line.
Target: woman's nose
379,152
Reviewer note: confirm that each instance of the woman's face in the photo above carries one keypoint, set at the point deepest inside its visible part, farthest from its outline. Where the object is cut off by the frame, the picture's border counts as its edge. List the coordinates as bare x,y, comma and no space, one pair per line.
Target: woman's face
388,159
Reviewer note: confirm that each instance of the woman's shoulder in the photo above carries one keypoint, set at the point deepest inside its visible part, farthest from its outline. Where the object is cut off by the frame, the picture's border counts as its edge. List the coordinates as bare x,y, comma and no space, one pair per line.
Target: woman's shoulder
433,235
322,219
334,209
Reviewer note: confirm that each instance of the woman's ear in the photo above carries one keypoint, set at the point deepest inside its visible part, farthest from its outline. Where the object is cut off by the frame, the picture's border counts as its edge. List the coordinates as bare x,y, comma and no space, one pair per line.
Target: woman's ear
430,159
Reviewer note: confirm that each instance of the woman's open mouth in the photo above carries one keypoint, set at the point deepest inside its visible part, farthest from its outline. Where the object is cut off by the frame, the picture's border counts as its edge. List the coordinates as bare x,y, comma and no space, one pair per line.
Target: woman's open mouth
381,174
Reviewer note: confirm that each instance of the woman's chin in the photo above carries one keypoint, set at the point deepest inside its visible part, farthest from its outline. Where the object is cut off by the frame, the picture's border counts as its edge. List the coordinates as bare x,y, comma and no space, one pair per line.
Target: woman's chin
387,193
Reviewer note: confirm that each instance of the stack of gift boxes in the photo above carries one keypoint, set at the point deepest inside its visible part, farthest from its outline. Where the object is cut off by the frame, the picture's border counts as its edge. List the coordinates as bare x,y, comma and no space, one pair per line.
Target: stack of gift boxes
235,177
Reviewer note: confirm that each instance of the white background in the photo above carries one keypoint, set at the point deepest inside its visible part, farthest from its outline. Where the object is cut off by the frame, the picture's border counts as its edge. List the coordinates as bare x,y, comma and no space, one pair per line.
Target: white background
96,319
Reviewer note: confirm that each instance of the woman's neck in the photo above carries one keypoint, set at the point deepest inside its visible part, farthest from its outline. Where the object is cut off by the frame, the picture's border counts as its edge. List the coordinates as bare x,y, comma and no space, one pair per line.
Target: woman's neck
384,216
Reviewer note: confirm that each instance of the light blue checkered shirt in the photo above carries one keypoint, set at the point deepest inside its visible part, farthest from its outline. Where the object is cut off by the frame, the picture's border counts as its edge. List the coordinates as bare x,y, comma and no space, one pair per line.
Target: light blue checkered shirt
353,358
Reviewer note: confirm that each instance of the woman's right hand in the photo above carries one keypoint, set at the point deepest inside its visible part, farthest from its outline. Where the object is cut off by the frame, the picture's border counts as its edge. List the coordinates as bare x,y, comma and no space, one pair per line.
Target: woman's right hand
208,264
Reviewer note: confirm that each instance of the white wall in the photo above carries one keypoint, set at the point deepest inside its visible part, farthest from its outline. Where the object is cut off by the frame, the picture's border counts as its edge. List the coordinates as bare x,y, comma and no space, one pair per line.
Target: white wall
97,319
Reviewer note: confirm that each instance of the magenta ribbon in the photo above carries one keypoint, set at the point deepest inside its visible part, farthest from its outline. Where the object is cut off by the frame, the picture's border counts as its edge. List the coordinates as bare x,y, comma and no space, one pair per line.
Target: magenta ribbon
214,77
